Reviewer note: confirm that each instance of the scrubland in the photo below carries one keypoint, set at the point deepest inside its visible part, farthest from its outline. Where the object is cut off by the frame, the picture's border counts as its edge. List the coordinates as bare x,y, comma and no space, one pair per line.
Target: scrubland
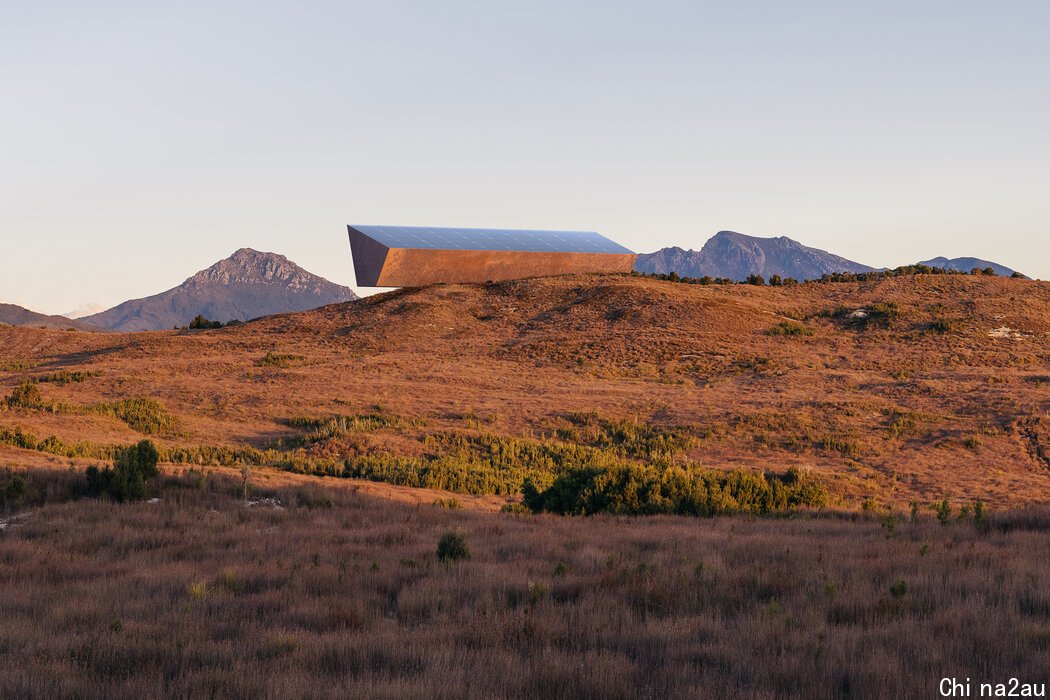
877,454
889,391
317,591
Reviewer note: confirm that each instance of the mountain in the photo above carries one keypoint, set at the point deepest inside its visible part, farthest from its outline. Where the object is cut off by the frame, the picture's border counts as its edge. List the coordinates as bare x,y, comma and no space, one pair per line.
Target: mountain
736,256
17,316
246,285
968,264
84,310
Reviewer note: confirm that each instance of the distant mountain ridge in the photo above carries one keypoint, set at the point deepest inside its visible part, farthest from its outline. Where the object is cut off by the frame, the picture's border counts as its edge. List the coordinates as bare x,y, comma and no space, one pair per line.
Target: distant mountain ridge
14,315
967,265
246,285
733,255
737,256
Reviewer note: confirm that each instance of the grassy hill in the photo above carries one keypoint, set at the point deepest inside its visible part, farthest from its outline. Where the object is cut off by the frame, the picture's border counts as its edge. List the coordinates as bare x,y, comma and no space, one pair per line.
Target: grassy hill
907,389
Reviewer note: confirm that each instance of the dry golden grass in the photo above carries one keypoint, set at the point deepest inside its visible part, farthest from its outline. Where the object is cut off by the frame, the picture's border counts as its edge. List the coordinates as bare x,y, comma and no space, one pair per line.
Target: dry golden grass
337,594
933,405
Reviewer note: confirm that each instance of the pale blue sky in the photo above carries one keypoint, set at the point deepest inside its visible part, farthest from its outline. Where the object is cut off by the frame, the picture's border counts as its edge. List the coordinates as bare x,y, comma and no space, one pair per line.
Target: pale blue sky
140,142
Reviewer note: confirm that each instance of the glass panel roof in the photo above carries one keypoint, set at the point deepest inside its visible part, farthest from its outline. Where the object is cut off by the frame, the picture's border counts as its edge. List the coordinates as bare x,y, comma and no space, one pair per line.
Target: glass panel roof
491,239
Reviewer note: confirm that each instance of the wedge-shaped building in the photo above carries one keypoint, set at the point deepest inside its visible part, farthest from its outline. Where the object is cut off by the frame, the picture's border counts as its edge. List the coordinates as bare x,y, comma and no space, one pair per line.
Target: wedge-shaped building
413,256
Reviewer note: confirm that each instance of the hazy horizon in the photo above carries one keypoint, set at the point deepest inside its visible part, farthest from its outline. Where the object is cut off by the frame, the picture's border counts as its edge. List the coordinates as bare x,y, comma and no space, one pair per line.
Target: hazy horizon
144,143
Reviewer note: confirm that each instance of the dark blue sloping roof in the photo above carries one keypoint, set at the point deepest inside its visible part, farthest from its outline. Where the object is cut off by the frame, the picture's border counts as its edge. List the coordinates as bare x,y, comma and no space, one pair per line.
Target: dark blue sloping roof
491,239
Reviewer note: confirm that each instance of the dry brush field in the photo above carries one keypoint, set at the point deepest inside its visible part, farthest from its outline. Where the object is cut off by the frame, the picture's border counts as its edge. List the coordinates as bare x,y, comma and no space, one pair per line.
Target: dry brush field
341,594
943,390
433,409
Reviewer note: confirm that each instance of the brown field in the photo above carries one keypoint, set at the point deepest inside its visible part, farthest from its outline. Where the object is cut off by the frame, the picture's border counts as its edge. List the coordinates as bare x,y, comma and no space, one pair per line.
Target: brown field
941,391
947,396
339,594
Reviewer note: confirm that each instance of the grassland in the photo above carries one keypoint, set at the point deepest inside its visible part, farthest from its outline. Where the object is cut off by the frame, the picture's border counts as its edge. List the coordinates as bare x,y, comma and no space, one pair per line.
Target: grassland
889,391
318,591
893,435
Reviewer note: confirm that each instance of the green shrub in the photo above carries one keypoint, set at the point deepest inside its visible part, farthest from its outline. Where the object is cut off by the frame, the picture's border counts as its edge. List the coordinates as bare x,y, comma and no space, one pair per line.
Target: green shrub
980,512
275,359
200,322
145,415
841,444
13,488
449,503
126,480
65,376
627,438
325,429
789,329
25,396
942,326
452,547
899,588
642,490
944,511
877,316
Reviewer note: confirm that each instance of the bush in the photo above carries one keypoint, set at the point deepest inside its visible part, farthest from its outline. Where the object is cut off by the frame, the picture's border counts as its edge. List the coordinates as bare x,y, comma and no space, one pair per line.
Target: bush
790,329
13,488
275,359
25,396
126,480
146,416
899,588
944,511
452,547
942,326
200,322
640,490
449,503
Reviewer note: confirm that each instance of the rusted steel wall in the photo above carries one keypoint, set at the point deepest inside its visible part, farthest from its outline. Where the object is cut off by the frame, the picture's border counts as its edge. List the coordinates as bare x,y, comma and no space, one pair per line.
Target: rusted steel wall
415,267
377,266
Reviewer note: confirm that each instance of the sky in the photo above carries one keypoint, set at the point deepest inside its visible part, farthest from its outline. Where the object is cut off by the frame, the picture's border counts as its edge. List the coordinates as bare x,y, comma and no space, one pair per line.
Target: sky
141,142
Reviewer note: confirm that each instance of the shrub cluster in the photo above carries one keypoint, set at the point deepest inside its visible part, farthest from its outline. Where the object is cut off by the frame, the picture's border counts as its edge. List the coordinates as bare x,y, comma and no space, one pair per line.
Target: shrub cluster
627,438
200,322
277,359
452,547
145,415
126,479
65,376
323,429
25,396
881,315
641,490
778,281
790,329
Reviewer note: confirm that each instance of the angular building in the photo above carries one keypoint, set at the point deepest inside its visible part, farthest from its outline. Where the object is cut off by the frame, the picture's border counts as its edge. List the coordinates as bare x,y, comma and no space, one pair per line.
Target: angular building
413,256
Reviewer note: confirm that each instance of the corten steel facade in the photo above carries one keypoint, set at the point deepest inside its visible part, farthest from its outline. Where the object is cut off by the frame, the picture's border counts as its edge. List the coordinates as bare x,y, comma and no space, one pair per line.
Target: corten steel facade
410,256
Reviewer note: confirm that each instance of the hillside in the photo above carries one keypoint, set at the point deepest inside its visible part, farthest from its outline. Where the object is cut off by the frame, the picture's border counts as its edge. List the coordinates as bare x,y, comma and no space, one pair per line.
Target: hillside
907,389
967,265
736,256
247,285
13,315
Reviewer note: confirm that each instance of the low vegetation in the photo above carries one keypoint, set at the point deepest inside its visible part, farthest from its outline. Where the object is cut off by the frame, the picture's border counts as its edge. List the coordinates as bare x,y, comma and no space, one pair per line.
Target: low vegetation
337,594
126,479
790,329
315,430
837,277
880,315
201,323
144,415
65,376
639,490
279,359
